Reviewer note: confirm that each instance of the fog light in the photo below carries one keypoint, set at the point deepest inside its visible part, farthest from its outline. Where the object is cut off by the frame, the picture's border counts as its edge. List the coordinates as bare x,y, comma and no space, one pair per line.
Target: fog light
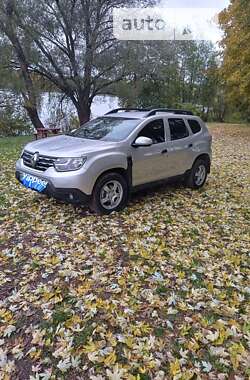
71,197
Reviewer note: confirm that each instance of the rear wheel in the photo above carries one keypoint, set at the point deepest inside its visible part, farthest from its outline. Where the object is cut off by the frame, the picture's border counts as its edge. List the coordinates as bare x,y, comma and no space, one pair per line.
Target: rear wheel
198,174
110,194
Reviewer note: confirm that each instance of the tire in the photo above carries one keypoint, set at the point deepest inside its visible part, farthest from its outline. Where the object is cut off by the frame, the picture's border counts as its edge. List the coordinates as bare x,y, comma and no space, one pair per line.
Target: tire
110,194
198,174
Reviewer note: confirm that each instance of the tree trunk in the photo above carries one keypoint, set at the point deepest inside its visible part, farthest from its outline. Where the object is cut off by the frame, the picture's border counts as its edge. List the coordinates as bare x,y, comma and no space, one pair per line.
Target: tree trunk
34,117
82,102
83,112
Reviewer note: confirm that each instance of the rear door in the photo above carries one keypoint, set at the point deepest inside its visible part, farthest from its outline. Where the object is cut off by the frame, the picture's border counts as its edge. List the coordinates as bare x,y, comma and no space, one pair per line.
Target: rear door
179,146
150,163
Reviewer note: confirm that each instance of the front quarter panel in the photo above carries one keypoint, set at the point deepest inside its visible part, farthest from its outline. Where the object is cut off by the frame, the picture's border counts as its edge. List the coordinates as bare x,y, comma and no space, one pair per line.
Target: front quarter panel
99,164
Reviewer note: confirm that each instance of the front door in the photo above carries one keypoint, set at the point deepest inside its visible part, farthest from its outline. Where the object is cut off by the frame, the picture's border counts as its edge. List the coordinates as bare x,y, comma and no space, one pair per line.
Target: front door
150,163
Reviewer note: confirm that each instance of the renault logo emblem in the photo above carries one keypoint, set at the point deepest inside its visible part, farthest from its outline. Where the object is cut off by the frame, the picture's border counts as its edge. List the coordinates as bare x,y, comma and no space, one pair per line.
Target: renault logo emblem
34,159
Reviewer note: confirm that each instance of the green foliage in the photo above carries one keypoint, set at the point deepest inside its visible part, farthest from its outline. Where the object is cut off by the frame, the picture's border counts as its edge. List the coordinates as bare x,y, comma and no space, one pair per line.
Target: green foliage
197,110
12,124
179,74
82,337
60,316
236,56
14,142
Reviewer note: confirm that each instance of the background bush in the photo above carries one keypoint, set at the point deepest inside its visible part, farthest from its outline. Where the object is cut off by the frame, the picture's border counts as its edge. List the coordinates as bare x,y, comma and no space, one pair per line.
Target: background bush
13,124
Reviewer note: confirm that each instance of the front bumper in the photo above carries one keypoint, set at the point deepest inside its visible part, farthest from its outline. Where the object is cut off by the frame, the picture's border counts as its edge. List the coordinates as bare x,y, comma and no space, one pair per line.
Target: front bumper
82,179
69,195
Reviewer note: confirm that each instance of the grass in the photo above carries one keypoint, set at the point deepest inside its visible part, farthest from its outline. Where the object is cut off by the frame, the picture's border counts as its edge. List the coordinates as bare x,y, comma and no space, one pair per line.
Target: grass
159,291
8,143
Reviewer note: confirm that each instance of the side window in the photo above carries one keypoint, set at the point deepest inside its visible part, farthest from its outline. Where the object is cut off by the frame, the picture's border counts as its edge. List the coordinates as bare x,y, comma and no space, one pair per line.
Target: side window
155,131
178,129
194,125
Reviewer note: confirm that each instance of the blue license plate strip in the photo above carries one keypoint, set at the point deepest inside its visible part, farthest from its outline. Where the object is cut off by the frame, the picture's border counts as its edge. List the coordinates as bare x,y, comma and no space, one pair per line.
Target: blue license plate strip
32,182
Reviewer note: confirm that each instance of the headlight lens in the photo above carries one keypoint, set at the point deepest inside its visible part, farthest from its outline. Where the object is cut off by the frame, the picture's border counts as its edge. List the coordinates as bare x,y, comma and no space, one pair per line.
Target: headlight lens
69,164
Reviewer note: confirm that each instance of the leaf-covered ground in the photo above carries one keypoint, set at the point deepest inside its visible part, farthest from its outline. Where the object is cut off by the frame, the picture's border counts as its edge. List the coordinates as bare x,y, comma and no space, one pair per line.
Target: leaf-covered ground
158,291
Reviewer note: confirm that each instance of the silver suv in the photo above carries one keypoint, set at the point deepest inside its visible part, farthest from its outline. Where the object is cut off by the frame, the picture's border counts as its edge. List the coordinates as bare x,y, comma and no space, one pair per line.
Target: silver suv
108,157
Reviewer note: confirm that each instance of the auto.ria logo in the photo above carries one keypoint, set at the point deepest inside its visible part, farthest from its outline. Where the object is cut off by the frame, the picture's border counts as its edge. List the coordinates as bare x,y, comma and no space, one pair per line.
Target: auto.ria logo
183,24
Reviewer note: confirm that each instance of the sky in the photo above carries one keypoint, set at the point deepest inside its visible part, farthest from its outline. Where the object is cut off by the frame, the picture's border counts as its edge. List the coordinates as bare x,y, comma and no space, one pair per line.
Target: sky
172,19
219,4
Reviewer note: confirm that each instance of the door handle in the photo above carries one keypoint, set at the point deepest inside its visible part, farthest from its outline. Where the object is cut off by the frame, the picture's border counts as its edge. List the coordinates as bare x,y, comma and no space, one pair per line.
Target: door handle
165,151
190,145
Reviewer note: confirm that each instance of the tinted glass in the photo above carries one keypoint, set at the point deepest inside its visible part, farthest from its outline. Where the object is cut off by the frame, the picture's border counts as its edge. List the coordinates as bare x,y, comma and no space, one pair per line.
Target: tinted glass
154,131
178,129
107,129
194,125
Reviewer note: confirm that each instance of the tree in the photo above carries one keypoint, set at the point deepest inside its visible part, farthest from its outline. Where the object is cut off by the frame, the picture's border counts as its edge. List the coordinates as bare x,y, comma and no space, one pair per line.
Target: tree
172,74
20,46
235,21
72,46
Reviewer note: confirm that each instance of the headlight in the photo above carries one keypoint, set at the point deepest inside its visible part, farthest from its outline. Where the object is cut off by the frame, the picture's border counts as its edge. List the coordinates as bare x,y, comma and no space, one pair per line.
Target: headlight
69,164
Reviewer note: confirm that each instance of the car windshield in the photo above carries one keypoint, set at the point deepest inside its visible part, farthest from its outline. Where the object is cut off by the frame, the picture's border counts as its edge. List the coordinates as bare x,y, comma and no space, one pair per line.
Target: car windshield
106,129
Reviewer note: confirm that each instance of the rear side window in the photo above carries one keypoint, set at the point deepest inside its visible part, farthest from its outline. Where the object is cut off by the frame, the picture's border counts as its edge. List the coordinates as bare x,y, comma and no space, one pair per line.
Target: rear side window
155,131
178,129
195,126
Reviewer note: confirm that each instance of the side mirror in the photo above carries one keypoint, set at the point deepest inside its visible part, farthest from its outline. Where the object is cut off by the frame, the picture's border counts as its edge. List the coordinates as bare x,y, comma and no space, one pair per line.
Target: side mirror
142,141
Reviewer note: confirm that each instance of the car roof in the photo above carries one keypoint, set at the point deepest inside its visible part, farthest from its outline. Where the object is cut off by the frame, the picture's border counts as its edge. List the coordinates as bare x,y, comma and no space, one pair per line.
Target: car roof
143,115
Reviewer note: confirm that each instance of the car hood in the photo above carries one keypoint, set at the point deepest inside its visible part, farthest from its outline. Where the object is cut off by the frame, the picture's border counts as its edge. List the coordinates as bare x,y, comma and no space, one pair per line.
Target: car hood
67,146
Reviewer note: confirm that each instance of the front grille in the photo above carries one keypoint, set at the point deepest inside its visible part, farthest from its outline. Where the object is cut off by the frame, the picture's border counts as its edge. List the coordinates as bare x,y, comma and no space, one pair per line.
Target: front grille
42,164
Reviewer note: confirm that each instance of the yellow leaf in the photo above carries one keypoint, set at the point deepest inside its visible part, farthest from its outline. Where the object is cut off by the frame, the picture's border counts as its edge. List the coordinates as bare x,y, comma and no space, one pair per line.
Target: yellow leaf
122,281
110,359
185,329
6,316
182,306
129,341
188,375
74,320
90,347
54,260
175,368
210,287
145,254
236,350
35,354
181,275
48,295
58,299
82,289
111,339
193,345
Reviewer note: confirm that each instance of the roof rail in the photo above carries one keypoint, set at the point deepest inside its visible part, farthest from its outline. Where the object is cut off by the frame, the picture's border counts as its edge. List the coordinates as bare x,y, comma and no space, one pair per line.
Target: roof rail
169,110
126,110
151,112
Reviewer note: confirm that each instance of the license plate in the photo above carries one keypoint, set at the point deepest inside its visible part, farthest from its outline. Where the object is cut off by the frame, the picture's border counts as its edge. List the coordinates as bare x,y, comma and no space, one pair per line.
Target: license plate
32,182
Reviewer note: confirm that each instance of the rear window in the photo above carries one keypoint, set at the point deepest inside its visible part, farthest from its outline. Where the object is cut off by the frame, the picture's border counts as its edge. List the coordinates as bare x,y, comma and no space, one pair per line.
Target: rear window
194,125
178,129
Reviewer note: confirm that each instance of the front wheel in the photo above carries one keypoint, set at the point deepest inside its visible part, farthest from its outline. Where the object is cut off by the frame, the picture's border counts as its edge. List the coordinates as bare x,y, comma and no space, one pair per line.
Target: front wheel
198,174
110,194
